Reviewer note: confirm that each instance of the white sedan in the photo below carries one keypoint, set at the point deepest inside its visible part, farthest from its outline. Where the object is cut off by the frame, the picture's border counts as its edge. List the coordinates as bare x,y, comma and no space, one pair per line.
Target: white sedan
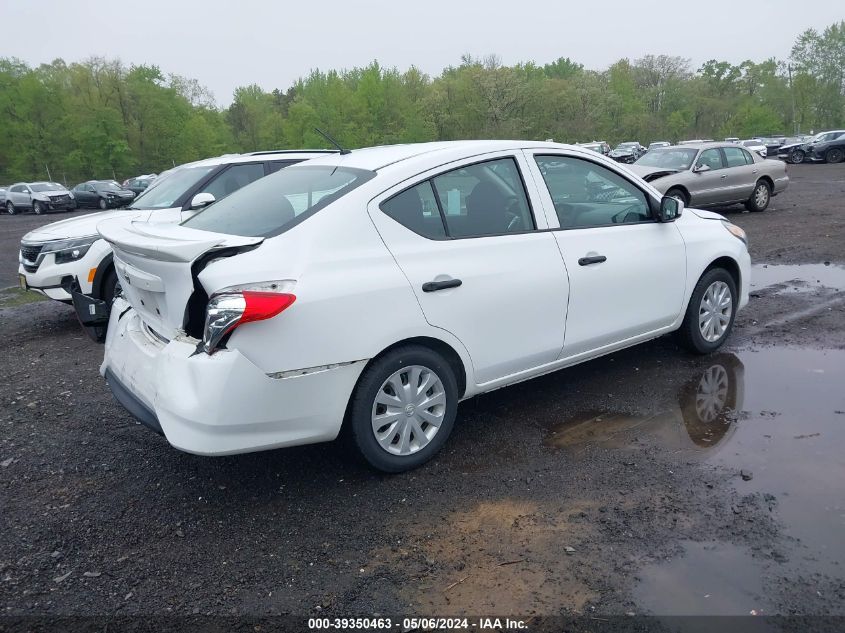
369,292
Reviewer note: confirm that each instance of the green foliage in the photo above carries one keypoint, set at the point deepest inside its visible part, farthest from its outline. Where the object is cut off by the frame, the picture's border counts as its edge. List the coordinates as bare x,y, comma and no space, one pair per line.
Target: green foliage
102,119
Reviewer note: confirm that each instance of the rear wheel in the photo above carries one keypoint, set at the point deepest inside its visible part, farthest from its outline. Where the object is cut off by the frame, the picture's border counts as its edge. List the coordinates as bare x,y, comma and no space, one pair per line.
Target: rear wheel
37,209
834,155
796,156
710,314
10,208
679,195
403,408
760,198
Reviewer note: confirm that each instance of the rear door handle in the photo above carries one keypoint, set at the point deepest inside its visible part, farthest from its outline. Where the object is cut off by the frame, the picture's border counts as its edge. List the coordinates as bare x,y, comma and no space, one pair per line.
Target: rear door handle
595,259
723,176
434,286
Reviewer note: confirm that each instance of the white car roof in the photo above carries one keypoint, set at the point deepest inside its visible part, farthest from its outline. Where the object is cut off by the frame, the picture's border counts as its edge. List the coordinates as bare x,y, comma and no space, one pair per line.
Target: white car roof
229,159
375,158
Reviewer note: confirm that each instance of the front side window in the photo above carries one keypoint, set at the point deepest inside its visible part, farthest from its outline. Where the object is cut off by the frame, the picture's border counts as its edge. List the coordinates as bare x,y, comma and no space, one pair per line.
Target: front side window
735,156
233,178
712,158
278,202
484,199
586,194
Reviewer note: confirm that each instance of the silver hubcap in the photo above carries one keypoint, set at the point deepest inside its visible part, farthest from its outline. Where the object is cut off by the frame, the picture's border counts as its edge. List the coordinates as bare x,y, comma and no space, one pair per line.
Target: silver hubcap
714,313
408,410
761,196
712,393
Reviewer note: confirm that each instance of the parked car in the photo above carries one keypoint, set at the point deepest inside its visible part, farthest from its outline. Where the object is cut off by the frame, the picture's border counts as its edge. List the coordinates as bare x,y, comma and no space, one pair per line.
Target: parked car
102,194
732,139
3,195
38,197
366,290
627,152
656,144
138,184
794,150
70,253
827,151
602,147
755,145
713,174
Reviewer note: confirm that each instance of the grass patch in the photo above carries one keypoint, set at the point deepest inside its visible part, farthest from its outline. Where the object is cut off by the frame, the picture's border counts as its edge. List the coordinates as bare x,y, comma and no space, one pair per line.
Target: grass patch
13,297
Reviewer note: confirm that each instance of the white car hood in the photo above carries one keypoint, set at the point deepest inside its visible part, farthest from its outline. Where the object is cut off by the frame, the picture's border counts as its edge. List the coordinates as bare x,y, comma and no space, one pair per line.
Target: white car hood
706,215
85,225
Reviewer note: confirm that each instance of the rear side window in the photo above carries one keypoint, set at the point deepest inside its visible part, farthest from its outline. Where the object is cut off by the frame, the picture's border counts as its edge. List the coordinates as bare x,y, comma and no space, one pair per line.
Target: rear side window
749,159
416,209
272,205
735,156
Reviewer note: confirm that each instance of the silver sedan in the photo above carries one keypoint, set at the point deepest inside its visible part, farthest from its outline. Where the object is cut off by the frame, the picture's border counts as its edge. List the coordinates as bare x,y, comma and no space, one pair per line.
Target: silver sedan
713,174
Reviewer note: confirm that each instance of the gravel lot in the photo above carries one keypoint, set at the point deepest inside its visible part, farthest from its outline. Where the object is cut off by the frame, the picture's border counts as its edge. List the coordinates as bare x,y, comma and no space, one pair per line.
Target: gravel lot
595,490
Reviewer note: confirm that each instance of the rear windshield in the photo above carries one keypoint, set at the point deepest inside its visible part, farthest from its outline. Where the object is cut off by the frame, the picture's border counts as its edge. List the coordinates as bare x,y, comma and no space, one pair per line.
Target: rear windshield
272,205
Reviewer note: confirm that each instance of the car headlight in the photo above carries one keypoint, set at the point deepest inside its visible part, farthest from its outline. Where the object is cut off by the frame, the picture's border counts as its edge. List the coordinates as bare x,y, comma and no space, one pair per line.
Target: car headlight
70,194
71,250
737,232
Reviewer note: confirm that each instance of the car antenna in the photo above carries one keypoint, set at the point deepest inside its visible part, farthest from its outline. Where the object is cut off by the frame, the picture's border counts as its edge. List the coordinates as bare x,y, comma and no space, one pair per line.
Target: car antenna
331,140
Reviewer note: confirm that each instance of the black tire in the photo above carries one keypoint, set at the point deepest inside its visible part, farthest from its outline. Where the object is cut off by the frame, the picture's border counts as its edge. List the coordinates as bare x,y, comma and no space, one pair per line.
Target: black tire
834,155
10,208
689,335
760,197
796,156
37,209
358,421
103,204
107,292
679,194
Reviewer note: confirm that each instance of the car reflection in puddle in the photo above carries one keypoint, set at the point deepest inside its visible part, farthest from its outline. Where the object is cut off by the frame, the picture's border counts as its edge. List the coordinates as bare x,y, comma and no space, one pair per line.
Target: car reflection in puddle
702,418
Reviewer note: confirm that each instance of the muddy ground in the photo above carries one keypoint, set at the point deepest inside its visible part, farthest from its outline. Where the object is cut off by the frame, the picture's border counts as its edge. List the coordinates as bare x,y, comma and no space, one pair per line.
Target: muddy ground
649,481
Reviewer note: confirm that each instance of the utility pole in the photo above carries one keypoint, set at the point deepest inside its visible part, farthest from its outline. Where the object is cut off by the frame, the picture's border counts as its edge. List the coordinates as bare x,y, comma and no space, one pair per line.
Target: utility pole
49,177
792,94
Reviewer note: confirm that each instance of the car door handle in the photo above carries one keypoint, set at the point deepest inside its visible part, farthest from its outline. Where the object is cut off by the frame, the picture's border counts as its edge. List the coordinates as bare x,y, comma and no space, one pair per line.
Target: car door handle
723,176
434,286
595,259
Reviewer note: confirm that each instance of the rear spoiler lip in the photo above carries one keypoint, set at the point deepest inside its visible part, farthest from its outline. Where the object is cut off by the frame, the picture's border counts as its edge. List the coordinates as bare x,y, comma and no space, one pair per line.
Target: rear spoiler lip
167,242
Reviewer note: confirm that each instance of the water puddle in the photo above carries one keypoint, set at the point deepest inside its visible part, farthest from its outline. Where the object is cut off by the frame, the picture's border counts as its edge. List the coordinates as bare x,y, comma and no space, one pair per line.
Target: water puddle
774,417
708,579
797,277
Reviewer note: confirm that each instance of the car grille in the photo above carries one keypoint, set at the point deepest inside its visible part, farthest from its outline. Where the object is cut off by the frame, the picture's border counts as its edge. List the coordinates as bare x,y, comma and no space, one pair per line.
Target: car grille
29,255
62,198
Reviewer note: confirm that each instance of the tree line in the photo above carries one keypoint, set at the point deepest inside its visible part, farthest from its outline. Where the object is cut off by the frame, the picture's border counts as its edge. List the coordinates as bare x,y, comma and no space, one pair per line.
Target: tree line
102,119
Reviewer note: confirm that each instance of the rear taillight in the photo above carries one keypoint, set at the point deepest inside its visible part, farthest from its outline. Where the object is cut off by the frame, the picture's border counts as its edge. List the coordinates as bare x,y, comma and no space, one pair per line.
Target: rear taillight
231,308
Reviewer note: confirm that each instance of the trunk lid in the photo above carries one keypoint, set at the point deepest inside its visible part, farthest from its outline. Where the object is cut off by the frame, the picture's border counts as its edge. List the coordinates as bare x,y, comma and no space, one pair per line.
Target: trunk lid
154,264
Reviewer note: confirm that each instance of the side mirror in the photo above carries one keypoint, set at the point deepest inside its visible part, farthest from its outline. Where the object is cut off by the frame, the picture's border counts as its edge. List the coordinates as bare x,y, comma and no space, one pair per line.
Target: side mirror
202,200
670,209
701,167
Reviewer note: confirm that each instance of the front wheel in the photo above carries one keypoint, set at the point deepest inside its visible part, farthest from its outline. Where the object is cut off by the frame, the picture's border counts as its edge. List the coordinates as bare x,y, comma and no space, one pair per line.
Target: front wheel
760,198
37,209
403,408
835,155
10,208
710,314
796,156
103,204
678,194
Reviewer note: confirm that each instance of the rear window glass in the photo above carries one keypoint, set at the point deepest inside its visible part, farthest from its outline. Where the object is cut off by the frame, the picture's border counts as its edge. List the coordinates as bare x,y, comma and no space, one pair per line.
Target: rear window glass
272,205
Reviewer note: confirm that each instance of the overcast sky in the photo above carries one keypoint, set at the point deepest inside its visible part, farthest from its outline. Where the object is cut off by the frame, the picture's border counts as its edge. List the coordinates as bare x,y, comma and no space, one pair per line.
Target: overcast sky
272,43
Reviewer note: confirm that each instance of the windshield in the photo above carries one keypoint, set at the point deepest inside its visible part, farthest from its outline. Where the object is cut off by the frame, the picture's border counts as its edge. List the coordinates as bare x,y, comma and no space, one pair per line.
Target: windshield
751,143
46,186
272,205
168,190
626,145
108,186
669,157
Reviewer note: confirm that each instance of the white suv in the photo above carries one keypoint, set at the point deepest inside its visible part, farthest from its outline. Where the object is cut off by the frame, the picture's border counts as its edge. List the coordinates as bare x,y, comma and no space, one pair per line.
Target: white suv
376,289
56,257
